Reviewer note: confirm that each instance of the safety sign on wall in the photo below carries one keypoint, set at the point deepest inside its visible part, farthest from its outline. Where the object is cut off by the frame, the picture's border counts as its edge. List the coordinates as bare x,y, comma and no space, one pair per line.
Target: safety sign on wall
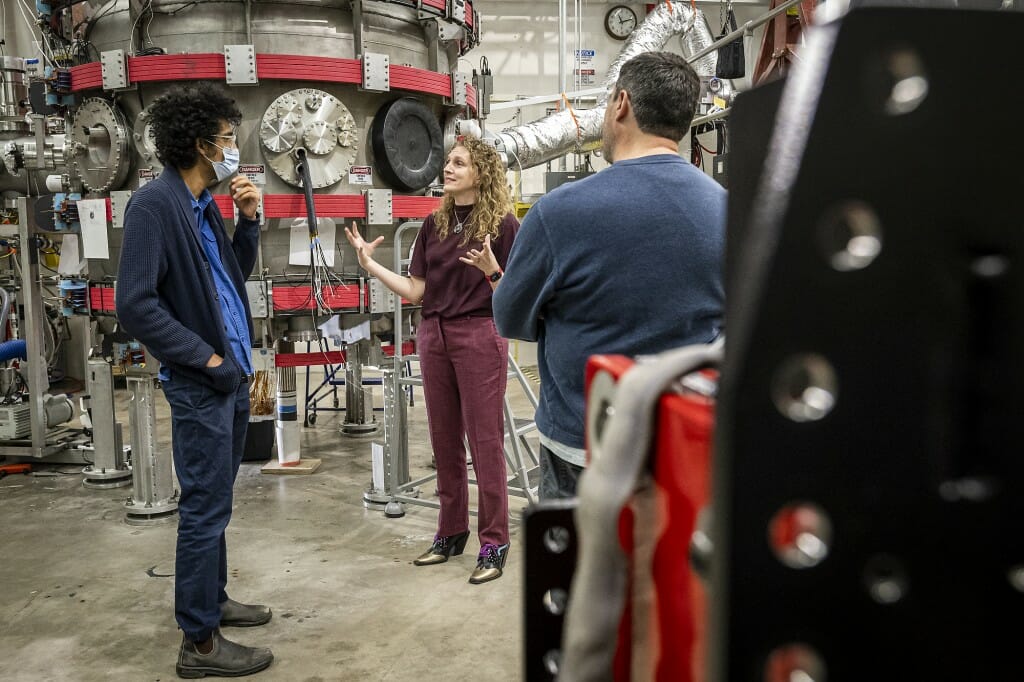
256,172
360,175
585,72
586,76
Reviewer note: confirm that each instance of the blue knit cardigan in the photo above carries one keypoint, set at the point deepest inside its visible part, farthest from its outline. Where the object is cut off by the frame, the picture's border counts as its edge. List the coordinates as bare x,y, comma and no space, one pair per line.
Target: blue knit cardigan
165,294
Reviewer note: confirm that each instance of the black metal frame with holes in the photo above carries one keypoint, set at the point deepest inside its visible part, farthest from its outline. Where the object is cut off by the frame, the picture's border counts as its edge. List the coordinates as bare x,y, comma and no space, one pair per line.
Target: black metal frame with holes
913,456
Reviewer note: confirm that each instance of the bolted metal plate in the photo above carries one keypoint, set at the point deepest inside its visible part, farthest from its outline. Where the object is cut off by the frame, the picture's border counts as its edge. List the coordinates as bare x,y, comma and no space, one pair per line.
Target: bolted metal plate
313,120
376,72
113,70
118,206
145,144
379,207
320,138
240,65
459,83
99,145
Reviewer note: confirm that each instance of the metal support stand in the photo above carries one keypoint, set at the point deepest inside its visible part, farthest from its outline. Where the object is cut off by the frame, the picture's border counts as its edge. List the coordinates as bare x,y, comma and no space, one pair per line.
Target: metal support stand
396,441
395,458
153,495
520,456
109,468
44,441
359,419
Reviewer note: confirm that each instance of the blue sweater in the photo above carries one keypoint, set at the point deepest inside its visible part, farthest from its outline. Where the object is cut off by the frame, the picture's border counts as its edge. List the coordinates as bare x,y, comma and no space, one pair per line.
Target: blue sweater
627,261
166,297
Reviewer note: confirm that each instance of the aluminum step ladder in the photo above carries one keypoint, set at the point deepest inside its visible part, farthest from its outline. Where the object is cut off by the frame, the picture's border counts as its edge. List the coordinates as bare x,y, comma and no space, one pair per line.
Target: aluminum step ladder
519,452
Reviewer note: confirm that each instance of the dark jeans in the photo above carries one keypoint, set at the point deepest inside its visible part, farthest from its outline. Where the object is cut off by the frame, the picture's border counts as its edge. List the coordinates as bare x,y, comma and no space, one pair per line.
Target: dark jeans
465,369
207,437
558,478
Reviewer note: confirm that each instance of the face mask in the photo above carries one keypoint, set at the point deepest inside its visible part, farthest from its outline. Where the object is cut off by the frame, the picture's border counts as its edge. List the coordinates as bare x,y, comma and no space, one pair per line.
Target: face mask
229,166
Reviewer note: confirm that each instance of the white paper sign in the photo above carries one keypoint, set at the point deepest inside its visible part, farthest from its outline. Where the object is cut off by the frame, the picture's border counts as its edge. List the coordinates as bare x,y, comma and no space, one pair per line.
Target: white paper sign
92,213
377,465
357,333
71,262
145,175
299,246
331,329
263,359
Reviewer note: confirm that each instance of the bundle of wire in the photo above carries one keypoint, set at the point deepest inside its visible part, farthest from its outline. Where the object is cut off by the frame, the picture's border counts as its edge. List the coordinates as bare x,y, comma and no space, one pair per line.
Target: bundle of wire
261,393
321,275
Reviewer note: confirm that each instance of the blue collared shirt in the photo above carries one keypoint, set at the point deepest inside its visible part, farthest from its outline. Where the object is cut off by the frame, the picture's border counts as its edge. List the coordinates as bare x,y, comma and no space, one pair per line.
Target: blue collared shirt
231,307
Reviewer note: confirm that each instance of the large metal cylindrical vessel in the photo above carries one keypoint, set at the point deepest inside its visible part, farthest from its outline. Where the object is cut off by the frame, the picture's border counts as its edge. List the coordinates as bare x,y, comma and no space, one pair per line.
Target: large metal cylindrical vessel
394,129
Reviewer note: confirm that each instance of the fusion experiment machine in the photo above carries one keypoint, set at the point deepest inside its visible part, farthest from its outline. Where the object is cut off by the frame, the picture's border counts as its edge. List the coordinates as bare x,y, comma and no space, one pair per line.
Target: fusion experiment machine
349,108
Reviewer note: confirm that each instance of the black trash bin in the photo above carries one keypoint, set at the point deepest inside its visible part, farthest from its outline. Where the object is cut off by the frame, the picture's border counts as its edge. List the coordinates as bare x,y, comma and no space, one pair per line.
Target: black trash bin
259,441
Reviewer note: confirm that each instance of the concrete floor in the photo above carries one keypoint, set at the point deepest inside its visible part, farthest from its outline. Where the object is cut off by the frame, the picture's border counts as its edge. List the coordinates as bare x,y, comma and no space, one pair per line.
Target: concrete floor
88,597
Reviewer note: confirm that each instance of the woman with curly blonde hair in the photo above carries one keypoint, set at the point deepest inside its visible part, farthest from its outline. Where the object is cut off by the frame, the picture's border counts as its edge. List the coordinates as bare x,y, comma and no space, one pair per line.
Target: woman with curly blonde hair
457,263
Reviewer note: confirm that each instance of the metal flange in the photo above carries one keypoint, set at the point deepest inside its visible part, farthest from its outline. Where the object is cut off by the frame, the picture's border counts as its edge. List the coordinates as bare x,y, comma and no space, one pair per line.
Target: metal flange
99,144
317,122
145,143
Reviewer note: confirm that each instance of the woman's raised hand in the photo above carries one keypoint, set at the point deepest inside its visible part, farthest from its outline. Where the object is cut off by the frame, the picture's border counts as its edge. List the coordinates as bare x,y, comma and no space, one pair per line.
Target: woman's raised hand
482,258
364,249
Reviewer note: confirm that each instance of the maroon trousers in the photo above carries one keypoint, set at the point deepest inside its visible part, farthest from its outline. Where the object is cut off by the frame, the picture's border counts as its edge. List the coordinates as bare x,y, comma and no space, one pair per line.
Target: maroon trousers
465,368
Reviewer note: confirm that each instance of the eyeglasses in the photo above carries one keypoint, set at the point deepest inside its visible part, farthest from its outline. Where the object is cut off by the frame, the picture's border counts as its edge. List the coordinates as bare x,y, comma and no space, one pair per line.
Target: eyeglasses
231,138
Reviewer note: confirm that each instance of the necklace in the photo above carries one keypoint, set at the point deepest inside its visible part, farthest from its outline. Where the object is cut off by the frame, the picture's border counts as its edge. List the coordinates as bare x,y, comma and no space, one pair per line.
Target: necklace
460,222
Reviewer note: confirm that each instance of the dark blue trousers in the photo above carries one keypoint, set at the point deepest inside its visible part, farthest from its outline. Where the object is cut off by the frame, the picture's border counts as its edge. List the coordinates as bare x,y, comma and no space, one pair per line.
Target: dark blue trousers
558,478
208,436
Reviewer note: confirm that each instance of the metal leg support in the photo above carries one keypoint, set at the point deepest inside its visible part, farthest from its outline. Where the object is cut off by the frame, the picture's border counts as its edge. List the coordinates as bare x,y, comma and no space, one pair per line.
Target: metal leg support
153,494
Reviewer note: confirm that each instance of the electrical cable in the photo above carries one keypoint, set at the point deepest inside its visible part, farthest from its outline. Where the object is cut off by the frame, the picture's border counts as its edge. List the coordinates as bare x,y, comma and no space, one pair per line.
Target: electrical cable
307,190
311,225
696,155
3,25
142,12
317,259
32,29
91,21
321,274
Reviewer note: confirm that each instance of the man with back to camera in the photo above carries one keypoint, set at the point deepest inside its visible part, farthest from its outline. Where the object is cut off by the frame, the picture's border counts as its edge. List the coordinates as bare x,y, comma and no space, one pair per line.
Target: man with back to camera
627,261
181,292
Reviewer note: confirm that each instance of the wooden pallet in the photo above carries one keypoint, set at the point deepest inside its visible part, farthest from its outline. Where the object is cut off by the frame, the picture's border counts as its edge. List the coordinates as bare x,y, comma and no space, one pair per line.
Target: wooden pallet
304,466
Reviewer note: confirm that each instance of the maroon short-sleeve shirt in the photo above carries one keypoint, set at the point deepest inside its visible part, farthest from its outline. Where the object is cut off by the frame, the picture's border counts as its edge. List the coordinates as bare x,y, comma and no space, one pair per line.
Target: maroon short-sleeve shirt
452,288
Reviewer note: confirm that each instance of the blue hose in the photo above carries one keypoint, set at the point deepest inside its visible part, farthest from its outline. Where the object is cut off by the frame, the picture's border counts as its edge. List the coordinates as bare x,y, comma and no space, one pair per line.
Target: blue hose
13,349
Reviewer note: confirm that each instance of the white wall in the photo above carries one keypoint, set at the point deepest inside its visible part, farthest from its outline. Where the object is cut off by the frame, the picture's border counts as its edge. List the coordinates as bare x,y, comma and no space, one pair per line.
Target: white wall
20,37
520,42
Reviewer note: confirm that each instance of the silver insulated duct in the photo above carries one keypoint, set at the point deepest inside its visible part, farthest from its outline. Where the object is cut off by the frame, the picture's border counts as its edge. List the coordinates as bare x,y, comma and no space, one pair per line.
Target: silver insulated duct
556,135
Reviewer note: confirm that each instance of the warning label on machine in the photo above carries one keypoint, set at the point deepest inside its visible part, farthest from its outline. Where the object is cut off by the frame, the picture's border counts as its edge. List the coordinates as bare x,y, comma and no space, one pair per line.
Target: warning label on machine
256,172
145,175
360,175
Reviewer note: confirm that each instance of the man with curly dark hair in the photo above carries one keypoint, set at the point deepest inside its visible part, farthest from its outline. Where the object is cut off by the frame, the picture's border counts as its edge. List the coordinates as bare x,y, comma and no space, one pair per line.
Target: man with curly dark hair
181,292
